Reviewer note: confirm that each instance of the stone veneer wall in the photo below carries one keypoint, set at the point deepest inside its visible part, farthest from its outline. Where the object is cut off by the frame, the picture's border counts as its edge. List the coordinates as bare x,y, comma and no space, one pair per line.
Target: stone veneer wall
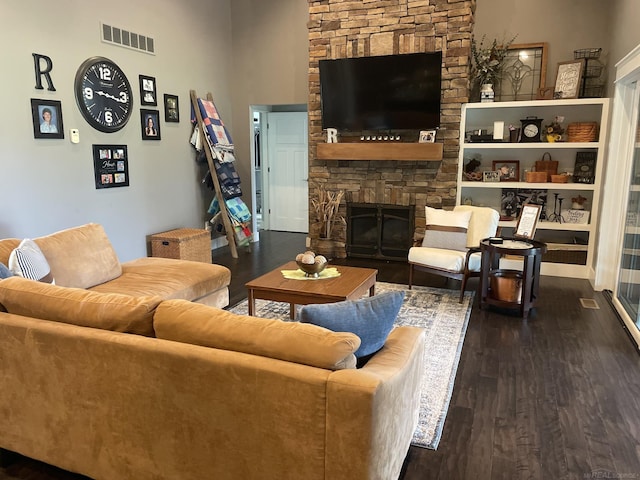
361,28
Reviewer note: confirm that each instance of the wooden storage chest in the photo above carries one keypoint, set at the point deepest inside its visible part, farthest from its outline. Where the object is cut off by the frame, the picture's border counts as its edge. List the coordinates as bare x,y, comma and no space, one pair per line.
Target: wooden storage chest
183,244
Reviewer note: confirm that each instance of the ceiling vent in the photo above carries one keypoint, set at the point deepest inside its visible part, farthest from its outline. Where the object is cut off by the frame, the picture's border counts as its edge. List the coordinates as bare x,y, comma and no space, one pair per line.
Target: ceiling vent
125,38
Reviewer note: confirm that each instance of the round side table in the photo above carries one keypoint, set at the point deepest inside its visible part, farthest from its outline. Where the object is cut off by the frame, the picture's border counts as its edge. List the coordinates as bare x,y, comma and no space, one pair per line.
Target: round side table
512,289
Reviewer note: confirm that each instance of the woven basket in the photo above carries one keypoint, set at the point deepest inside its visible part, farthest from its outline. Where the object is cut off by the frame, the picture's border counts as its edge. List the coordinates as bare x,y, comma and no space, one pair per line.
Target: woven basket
536,177
182,244
582,132
559,178
548,166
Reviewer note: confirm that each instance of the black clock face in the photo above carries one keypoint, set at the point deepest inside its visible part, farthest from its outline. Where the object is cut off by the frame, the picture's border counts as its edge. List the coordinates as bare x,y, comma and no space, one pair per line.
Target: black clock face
103,94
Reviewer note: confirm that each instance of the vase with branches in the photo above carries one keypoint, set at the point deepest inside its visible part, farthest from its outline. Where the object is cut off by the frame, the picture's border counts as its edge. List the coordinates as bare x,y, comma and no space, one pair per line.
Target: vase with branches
488,61
325,205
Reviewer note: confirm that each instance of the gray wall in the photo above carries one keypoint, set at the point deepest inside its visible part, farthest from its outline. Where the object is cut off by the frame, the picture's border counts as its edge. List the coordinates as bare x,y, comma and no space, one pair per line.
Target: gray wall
243,51
270,63
625,32
565,25
48,184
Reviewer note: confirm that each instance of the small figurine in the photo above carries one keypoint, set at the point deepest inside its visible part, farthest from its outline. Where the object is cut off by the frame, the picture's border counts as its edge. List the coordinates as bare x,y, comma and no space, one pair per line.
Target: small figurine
577,203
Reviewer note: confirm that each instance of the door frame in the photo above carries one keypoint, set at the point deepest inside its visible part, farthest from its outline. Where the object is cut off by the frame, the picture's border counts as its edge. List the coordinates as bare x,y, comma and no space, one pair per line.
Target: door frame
611,231
265,161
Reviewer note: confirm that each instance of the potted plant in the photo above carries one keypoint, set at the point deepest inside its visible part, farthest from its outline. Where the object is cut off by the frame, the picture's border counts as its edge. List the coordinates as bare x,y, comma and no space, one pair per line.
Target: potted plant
486,69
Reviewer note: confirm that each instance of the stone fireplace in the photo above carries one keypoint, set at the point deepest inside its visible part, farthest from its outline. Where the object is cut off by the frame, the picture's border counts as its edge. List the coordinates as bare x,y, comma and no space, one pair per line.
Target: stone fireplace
339,29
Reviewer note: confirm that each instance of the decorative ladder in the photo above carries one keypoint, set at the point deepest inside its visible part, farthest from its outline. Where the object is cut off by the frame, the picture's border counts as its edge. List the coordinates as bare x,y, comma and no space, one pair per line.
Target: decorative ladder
226,220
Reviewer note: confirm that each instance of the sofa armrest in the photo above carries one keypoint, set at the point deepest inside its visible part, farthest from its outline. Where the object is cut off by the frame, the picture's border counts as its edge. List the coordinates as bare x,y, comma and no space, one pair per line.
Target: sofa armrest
382,402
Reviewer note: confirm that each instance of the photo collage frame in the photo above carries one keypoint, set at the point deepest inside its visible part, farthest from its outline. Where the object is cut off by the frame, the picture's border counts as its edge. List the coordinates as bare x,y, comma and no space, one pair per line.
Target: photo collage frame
111,166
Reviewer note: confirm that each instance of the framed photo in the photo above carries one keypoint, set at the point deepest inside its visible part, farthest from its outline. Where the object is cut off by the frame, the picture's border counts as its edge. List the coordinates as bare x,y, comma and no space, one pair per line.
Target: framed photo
171,109
148,94
150,124
509,204
493,176
47,118
111,166
509,170
527,221
524,71
427,136
568,79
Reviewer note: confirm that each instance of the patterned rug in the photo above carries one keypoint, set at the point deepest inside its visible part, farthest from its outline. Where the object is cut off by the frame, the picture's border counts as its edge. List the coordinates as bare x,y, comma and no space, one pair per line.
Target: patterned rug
445,321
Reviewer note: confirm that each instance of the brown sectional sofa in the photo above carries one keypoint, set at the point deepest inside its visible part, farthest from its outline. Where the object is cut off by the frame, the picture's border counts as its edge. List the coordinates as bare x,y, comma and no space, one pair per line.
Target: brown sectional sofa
201,393
117,376
83,257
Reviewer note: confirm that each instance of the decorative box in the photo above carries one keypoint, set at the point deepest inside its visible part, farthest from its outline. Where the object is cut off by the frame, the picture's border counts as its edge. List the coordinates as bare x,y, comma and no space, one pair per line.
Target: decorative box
576,216
182,244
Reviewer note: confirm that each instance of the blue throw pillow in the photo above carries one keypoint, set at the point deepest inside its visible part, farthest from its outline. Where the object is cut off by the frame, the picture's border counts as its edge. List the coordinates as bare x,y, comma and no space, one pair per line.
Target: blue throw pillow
4,271
370,318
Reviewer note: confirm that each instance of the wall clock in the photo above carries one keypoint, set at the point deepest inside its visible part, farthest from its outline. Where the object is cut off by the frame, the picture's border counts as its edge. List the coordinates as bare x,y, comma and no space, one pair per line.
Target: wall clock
531,129
103,94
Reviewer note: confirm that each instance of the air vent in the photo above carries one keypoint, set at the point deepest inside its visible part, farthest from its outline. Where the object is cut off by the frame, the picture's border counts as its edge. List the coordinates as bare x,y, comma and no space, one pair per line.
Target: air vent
127,39
589,303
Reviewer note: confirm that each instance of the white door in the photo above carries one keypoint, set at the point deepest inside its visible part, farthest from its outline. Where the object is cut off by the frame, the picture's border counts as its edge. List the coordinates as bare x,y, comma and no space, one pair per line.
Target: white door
287,171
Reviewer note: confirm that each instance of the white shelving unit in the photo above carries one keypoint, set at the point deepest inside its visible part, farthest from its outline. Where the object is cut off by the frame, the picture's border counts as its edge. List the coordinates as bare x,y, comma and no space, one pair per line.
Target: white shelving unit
559,236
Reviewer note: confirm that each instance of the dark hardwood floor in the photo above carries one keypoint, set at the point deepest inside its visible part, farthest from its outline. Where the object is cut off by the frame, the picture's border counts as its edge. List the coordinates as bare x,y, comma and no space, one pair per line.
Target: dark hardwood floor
553,397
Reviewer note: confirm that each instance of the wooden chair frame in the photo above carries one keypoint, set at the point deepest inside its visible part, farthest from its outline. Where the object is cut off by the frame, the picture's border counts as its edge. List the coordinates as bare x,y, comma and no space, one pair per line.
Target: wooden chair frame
462,276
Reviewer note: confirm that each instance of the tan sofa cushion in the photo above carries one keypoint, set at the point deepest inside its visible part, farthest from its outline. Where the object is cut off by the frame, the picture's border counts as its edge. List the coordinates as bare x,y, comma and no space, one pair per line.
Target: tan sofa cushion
119,313
81,256
307,344
169,278
7,245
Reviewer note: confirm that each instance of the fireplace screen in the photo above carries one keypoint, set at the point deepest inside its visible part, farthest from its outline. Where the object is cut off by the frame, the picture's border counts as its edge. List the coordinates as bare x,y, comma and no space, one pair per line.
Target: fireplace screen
379,231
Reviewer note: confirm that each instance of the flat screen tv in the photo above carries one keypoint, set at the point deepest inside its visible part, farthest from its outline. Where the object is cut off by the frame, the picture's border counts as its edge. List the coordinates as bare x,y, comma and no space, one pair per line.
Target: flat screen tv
391,92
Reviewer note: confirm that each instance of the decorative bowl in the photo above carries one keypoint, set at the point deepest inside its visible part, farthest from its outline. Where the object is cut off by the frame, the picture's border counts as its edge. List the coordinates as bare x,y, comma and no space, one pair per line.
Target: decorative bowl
312,269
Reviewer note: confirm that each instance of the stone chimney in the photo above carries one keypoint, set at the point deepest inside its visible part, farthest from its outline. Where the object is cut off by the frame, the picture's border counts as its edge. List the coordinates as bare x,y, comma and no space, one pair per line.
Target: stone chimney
362,28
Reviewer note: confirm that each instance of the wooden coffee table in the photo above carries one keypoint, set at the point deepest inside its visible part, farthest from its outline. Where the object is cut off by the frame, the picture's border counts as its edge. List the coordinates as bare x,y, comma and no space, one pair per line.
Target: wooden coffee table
352,284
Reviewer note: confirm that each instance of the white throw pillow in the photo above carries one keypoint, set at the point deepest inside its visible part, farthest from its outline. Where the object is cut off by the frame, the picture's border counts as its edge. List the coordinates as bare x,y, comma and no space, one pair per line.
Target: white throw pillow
446,229
28,261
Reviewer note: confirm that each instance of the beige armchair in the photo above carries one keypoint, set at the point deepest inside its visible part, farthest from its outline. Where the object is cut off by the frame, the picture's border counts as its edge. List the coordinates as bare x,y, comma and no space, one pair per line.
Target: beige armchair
451,245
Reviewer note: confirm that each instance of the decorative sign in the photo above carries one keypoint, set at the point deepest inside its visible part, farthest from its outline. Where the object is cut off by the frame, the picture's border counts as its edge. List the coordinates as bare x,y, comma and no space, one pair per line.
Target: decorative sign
568,79
111,166
584,170
528,221
580,217
43,71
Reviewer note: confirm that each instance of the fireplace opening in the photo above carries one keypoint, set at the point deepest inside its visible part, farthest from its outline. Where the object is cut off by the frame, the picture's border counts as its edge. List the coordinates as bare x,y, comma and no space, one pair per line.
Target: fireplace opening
379,230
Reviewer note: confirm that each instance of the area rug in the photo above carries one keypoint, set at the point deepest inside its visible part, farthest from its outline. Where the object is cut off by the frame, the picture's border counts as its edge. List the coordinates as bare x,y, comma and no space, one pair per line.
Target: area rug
445,321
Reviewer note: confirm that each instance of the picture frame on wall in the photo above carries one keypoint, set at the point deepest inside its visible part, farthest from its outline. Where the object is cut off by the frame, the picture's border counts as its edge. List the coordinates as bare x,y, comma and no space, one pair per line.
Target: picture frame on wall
171,108
150,124
47,118
568,78
111,166
148,95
